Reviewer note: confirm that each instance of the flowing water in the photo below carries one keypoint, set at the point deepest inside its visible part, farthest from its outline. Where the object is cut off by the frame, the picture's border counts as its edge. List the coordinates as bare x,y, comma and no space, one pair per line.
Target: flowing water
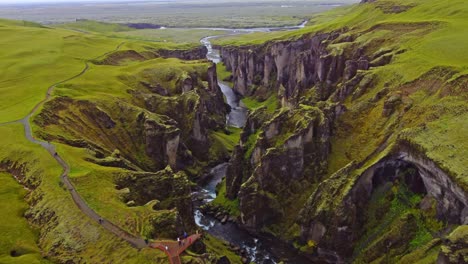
238,114
261,250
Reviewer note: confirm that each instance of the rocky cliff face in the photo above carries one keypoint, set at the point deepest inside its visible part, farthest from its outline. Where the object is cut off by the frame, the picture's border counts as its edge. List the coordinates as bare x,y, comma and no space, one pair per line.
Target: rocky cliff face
290,68
284,154
199,110
334,215
167,190
147,133
197,53
276,155
288,148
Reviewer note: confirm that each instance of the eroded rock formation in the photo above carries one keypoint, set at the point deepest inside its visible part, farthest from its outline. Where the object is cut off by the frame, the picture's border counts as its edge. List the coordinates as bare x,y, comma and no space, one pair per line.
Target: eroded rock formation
283,153
290,68
334,215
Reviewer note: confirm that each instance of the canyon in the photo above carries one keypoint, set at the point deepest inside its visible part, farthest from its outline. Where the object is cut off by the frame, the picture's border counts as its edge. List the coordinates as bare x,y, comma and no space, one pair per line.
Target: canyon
339,140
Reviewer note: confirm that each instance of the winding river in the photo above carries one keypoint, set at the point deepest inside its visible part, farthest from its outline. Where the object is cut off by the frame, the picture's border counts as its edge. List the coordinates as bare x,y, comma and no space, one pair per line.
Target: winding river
260,250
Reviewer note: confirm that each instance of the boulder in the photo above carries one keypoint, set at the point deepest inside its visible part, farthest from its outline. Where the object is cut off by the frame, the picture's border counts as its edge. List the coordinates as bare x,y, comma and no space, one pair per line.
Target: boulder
223,260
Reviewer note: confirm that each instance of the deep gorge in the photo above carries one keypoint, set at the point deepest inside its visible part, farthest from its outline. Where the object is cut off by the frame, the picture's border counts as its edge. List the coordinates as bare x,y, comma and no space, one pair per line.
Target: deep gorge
283,155
288,189
341,140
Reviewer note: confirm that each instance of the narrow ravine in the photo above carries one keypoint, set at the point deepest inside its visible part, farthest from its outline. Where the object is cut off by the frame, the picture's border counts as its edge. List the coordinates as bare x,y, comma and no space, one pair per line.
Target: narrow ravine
238,114
260,250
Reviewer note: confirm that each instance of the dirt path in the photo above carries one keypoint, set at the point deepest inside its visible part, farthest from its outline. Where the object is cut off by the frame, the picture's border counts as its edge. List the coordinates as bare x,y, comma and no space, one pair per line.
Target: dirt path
137,242
79,201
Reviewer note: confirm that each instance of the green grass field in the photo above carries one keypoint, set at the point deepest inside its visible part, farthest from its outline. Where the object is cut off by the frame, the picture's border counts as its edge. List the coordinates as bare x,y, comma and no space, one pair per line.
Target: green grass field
18,238
271,103
77,235
31,67
167,35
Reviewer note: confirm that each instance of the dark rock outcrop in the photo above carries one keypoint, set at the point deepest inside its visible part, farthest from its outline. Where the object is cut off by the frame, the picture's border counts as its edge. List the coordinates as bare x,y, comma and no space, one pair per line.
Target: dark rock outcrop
289,148
454,247
160,142
223,260
169,190
333,215
197,53
199,110
290,68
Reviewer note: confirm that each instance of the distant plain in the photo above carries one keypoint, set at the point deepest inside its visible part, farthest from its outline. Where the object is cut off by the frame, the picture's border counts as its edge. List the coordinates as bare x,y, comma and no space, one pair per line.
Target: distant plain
183,13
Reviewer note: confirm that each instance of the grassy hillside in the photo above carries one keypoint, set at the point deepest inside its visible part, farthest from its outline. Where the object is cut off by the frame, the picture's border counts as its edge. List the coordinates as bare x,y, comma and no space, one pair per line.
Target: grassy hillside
70,234
18,243
94,182
27,65
431,31
34,58
87,72
167,35
441,47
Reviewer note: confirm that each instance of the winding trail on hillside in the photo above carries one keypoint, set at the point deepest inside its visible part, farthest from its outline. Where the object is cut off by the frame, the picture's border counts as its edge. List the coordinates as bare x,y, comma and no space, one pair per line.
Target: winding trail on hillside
171,248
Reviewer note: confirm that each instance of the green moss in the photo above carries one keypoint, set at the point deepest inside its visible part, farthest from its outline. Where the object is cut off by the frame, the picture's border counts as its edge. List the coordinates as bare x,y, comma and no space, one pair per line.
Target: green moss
227,140
271,103
232,206
223,74
389,204
220,248
250,144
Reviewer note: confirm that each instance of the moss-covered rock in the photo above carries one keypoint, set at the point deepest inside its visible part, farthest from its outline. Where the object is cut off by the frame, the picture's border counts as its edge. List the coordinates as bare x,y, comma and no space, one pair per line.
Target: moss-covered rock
277,153
455,247
170,191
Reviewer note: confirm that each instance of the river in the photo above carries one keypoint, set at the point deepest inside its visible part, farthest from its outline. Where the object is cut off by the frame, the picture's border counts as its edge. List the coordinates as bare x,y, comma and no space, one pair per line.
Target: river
261,250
